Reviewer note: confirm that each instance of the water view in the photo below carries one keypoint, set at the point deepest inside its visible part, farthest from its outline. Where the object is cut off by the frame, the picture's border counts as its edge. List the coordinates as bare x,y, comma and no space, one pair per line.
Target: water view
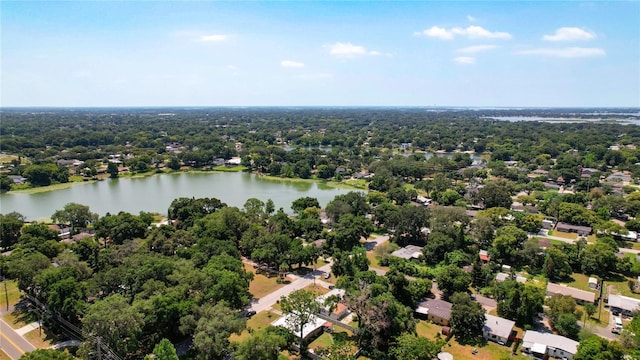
155,193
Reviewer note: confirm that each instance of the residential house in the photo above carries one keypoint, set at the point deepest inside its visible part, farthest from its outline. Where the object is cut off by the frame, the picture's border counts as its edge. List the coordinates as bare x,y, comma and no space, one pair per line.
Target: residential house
541,345
580,296
408,252
624,305
497,329
314,326
484,256
500,277
580,230
436,310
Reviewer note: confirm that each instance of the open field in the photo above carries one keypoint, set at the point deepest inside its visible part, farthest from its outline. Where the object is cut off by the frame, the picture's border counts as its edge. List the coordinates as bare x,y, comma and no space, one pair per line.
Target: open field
257,322
39,339
261,285
486,351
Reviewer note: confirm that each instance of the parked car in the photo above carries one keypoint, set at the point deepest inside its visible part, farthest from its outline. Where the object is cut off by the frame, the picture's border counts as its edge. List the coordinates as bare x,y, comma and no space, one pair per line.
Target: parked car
326,275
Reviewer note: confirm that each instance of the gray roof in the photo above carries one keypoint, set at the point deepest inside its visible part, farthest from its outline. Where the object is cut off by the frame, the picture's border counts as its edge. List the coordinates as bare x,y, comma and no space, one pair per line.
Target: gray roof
436,307
551,340
573,292
408,252
498,326
564,226
623,302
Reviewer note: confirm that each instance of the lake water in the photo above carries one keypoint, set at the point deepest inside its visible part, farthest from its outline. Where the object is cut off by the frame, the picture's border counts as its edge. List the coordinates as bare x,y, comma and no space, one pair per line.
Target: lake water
155,193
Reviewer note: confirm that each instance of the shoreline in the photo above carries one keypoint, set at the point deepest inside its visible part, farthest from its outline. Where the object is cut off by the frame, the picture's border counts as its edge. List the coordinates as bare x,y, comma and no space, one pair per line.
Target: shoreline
62,186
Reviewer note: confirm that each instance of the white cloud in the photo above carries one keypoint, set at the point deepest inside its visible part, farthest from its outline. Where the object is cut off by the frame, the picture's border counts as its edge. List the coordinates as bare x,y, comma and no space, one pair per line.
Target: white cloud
471,18
476,49
472,32
436,32
465,60
571,52
346,50
291,64
569,34
478,32
232,67
213,38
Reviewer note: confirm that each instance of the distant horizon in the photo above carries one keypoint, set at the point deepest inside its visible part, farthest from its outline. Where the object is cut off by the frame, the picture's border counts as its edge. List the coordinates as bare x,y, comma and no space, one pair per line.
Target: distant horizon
451,107
517,54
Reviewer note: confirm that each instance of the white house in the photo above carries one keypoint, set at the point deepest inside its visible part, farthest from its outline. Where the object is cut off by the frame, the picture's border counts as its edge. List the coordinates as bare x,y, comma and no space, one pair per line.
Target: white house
623,304
539,344
497,329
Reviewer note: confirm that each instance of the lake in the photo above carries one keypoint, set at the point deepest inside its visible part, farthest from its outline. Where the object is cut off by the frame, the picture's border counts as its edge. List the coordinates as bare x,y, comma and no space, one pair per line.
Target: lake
155,193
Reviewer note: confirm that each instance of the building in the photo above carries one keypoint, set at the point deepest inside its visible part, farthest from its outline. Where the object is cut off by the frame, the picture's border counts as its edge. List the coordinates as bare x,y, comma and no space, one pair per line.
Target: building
500,277
497,329
408,252
624,305
580,296
581,230
436,310
594,283
540,345
484,256
314,326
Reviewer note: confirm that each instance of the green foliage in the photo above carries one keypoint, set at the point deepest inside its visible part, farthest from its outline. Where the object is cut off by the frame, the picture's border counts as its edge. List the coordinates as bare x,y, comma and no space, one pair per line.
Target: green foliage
467,318
45,174
10,226
519,302
300,307
164,350
413,347
264,344
567,325
77,216
597,348
211,326
47,354
451,279
121,227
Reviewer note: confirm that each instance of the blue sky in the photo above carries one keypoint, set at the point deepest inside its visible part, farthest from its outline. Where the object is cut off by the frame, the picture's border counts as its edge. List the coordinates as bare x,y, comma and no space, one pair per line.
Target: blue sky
184,53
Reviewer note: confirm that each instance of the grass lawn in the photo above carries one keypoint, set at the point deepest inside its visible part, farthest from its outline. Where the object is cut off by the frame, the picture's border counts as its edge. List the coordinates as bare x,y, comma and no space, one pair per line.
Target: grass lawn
40,340
374,262
229,169
317,289
259,321
4,356
261,285
53,187
565,235
326,339
488,351
12,292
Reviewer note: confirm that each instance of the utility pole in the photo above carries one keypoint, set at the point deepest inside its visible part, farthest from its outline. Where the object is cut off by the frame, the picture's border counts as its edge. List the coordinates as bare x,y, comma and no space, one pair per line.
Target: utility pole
98,340
6,294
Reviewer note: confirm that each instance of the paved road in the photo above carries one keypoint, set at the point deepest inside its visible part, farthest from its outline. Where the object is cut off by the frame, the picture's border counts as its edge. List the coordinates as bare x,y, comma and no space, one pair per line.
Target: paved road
12,343
298,282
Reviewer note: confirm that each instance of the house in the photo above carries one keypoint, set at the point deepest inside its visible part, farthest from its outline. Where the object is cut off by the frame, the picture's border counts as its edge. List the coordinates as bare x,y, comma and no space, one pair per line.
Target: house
624,305
497,329
484,256
540,345
17,179
548,224
581,230
500,277
408,252
622,177
580,296
314,326
234,161
436,310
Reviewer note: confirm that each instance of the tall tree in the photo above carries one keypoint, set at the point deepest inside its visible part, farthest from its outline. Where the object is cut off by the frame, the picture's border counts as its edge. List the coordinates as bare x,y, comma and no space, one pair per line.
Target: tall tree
264,344
10,226
467,318
164,350
300,307
413,347
77,216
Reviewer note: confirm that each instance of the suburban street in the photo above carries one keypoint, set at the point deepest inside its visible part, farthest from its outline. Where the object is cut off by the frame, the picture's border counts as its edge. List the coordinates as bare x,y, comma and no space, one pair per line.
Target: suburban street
12,343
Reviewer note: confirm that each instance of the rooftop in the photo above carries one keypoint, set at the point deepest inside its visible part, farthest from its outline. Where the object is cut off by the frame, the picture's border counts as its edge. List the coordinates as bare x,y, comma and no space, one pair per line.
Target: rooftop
498,326
573,292
408,252
436,307
623,302
531,338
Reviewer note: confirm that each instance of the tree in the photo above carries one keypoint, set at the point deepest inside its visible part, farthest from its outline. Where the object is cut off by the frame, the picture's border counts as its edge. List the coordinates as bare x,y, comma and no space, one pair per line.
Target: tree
75,215
112,170
121,227
264,344
438,245
597,348
47,354
164,350
451,279
558,305
299,205
519,302
10,226
496,194
413,347
567,325
211,326
556,264
300,307
467,317
117,323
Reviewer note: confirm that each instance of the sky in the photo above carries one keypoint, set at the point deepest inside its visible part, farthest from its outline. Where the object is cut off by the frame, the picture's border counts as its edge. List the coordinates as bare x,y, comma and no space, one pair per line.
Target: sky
306,53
